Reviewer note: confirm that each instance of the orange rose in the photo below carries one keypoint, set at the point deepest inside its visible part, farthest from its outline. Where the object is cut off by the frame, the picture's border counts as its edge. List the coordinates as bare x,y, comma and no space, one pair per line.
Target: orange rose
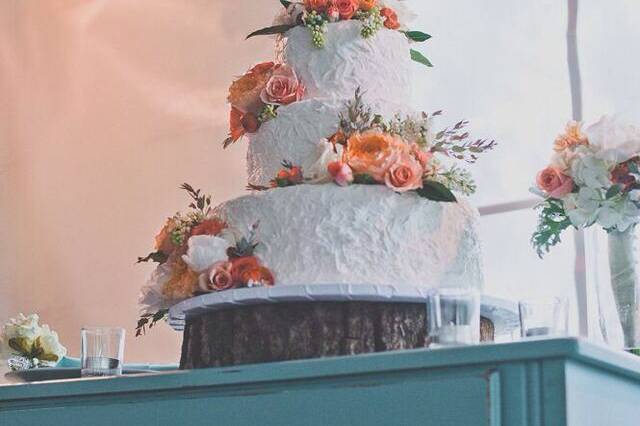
282,88
317,5
244,93
164,244
183,282
346,8
371,153
259,275
209,227
367,5
404,174
391,18
240,265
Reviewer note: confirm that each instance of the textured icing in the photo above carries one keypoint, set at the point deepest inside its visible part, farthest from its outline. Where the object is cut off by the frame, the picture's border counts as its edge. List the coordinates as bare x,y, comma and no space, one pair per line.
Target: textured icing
380,64
295,134
325,234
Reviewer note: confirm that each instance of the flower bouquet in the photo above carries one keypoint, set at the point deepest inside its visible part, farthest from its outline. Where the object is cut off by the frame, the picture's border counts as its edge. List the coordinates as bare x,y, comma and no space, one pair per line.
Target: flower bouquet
198,253
26,344
594,179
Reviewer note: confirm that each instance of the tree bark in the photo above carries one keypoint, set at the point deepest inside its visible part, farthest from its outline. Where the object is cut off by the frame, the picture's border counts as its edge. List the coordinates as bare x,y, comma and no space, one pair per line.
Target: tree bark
301,330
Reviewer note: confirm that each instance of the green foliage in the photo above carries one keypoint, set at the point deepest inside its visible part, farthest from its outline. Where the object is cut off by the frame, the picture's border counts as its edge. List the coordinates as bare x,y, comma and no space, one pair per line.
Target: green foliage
31,350
285,3
268,112
364,179
276,29
454,142
149,320
420,58
156,256
552,220
358,117
417,36
457,179
247,245
435,191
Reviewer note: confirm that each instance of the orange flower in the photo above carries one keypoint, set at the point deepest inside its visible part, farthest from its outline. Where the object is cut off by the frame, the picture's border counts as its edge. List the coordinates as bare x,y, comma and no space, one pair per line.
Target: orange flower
367,5
209,227
572,137
244,93
236,129
164,244
371,153
346,8
391,18
182,284
317,5
240,265
259,275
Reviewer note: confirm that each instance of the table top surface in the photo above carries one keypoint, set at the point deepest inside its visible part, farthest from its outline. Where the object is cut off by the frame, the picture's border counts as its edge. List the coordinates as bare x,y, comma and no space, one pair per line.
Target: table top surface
615,362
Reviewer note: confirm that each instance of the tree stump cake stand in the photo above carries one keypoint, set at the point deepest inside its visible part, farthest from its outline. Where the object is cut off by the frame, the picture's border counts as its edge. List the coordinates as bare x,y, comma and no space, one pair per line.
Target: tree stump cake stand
258,325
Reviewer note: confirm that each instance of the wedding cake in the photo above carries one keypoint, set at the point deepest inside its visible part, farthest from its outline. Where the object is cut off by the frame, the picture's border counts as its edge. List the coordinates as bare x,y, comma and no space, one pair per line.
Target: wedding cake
349,185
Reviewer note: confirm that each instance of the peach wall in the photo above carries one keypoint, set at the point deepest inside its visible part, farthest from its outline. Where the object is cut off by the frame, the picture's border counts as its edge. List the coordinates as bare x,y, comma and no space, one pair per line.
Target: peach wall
107,106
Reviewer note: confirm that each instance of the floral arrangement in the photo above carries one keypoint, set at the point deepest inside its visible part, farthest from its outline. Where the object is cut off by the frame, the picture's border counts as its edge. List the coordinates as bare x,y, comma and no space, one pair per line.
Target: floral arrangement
256,96
402,153
198,253
374,15
593,178
27,344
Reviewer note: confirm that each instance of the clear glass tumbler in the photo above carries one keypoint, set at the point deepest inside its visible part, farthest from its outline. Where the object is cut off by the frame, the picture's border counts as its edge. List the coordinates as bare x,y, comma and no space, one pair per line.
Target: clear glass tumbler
544,318
453,317
102,351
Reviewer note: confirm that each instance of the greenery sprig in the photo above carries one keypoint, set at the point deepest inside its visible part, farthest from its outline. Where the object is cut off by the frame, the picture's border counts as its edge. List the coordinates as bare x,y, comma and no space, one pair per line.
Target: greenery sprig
149,320
454,142
552,220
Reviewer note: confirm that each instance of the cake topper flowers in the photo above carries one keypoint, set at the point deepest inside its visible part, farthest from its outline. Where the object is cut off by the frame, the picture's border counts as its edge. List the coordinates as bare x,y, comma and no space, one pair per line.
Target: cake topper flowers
198,253
593,178
373,15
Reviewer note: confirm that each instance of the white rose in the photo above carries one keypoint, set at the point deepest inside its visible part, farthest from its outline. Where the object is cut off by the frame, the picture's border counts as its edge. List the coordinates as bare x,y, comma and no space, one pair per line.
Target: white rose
616,141
318,172
204,251
50,344
151,298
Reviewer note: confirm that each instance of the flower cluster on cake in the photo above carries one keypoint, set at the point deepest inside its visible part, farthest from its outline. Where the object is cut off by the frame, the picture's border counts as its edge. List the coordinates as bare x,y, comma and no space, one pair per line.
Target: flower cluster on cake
593,178
349,184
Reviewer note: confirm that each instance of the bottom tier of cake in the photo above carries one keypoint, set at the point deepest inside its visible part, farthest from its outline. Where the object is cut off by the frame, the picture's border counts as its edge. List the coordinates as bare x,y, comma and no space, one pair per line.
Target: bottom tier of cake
326,234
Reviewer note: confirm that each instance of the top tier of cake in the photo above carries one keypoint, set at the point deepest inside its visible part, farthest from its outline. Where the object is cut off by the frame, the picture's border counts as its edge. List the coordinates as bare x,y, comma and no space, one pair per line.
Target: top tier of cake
380,64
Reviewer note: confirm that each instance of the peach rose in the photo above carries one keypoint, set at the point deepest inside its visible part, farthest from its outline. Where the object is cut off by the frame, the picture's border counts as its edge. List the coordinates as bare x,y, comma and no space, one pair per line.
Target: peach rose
333,13
423,157
340,172
391,18
258,275
367,5
317,5
164,244
240,265
371,153
282,88
404,174
555,183
208,227
244,93
217,278
346,8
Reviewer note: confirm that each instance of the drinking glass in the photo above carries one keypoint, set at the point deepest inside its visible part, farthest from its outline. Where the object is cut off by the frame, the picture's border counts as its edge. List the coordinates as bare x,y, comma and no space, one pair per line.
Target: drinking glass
544,317
102,351
453,317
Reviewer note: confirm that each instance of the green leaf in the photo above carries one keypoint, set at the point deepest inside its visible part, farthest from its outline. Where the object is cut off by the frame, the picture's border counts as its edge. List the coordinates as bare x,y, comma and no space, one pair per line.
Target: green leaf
420,58
613,191
364,179
418,36
285,3
277,29
435,191
156,256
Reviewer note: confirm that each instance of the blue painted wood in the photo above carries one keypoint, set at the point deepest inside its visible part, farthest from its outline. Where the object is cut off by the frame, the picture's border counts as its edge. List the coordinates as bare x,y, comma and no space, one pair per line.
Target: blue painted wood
552,382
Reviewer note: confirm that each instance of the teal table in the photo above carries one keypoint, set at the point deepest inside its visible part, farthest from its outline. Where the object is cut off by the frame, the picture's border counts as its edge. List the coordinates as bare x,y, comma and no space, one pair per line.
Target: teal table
546,382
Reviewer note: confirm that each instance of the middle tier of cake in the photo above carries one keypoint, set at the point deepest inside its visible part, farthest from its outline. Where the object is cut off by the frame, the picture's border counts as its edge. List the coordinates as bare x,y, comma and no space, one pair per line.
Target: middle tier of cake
325,234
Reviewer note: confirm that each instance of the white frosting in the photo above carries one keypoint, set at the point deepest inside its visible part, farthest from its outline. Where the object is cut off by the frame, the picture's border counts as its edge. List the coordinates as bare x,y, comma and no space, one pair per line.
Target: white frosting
380,64
295,134
325,234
